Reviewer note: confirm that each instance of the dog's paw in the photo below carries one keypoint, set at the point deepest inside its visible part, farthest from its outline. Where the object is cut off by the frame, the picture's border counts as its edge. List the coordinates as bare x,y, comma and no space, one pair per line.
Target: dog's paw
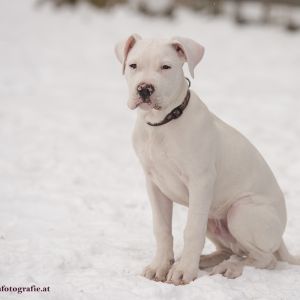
158,270
228,269
182,274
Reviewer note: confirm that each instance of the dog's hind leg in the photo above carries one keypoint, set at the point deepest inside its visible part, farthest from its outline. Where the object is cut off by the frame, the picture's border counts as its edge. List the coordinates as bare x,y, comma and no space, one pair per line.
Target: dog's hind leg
258,229
215,258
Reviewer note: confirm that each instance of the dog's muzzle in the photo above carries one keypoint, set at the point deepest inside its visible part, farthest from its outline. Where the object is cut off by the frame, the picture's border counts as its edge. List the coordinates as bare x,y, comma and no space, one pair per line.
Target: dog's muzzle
145,90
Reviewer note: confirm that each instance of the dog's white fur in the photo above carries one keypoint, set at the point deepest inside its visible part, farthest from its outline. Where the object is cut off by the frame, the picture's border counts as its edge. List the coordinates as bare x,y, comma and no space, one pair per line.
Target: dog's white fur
201,162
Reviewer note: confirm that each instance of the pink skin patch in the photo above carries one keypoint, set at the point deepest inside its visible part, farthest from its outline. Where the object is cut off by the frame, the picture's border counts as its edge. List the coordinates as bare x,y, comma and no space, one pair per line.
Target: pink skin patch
220,229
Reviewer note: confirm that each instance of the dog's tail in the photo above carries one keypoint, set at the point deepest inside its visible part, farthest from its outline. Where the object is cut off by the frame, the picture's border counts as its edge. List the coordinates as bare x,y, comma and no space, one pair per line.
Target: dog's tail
283,254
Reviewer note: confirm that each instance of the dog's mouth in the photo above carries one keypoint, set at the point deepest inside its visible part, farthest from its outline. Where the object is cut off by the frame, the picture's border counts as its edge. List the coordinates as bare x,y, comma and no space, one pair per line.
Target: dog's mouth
144,104
148,105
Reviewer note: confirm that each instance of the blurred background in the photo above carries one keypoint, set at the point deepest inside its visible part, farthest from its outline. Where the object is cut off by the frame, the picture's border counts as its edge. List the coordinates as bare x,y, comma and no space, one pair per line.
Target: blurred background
239,9
74,213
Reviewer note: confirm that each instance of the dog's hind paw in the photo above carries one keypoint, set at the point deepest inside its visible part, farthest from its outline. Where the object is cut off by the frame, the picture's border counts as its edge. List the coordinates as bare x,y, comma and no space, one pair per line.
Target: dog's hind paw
228,268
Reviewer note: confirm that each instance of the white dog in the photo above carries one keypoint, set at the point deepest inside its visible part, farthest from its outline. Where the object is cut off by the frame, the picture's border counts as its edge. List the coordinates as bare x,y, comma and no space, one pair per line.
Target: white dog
191,157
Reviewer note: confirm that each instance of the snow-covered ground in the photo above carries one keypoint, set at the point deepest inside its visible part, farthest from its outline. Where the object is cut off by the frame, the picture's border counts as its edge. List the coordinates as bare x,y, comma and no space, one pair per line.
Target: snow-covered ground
74,214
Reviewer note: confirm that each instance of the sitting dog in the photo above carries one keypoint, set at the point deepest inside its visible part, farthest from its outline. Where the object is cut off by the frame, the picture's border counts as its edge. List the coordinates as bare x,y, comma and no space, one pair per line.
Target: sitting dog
191,157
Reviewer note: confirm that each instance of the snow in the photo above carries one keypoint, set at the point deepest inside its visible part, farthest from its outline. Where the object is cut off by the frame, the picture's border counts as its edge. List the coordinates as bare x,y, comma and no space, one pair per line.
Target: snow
74,214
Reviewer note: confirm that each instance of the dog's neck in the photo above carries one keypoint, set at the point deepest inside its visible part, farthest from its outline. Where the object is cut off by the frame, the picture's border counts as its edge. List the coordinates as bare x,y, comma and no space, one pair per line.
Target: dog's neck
155,116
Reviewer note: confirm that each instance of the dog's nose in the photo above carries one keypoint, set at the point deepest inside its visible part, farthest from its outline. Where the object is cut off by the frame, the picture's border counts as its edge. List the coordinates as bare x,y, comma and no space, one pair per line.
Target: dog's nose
145,91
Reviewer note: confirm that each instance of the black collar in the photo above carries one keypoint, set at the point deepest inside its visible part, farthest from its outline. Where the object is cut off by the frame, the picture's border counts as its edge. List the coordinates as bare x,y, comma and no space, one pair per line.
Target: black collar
175,113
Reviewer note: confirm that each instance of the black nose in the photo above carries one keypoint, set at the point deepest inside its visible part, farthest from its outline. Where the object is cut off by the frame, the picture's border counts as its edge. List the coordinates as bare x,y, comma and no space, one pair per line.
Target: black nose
145,91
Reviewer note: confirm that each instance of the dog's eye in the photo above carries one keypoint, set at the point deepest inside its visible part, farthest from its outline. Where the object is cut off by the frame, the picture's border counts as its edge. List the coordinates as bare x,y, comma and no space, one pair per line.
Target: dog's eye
132,66
165,67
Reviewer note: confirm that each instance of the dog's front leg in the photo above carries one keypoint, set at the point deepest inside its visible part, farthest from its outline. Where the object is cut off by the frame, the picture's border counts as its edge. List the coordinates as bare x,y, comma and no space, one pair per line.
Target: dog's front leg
162,227
186,269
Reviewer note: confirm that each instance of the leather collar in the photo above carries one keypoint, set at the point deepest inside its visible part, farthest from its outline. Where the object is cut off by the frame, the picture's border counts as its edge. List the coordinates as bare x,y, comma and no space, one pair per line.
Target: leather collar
174,113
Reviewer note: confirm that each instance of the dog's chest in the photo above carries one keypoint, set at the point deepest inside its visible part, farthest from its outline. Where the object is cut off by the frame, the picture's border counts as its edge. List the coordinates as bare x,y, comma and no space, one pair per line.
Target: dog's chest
157,153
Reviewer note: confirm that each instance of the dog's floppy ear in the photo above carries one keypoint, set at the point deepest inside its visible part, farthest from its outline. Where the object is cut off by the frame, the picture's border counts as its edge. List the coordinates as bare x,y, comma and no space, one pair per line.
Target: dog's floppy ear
191,51
122,49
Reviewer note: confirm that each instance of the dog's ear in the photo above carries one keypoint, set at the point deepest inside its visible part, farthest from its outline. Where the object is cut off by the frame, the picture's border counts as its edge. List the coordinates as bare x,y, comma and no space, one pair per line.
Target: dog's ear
191,51
122,49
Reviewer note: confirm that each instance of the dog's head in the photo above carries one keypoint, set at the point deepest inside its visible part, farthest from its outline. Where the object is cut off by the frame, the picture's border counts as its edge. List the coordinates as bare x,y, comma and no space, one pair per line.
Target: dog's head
153,68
